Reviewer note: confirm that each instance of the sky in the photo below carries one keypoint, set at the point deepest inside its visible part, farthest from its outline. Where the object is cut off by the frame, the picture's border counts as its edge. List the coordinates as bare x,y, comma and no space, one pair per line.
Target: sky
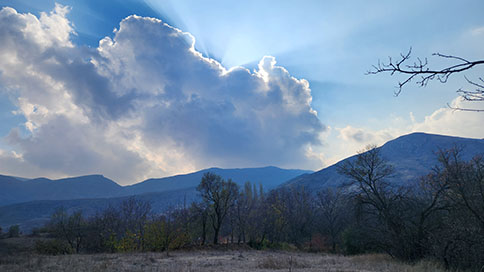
139,89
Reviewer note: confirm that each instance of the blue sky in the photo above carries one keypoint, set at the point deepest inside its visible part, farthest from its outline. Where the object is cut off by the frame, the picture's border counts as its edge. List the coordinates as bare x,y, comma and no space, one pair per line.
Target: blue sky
131,106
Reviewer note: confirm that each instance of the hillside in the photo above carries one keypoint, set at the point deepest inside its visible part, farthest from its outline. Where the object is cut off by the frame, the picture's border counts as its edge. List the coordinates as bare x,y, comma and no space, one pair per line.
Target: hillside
270,177
17,190
29,215
412,156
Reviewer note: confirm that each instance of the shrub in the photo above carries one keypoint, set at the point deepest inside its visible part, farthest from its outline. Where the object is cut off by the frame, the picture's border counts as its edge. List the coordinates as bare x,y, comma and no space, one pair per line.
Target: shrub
280,246
180,240
353,241
318,243
53,247
129,243
14,231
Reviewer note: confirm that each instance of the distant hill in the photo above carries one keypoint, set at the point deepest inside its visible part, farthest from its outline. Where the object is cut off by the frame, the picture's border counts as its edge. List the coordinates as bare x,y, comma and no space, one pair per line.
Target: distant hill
29,215
270,177
18,190
412,156
30,203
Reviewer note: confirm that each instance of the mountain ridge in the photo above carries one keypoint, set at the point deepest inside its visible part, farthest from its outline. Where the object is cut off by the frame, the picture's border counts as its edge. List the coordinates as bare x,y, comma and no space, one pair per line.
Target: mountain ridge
17,190
412,155
33,214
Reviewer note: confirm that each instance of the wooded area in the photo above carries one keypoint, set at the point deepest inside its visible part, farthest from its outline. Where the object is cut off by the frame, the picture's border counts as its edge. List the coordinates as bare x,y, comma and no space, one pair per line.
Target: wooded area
442,218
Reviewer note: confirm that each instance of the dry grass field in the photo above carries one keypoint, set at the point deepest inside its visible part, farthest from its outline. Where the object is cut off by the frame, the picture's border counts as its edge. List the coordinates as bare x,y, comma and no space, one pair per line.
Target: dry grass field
210,260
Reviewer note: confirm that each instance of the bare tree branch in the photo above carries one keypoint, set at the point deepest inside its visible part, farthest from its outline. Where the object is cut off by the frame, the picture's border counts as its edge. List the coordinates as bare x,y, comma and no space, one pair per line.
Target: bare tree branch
464,109
420,70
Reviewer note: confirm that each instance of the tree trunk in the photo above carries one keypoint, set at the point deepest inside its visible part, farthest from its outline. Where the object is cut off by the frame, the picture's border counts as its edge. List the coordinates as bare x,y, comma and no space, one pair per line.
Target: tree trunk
215,235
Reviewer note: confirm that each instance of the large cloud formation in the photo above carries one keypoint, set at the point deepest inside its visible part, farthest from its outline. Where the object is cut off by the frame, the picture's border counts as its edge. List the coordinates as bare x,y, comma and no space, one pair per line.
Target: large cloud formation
144,103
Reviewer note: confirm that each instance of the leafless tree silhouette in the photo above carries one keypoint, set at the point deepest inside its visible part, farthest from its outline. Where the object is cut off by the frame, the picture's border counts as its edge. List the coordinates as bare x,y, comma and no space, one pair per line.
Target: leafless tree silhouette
421,71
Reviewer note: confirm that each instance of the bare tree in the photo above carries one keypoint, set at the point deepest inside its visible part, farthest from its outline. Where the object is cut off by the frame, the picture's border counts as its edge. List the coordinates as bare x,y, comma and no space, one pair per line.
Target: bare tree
290,214
368,180
244,211
134,216
465,182
421,71
220,196
70,228
104,229
460,243
331,208
368,176
199,212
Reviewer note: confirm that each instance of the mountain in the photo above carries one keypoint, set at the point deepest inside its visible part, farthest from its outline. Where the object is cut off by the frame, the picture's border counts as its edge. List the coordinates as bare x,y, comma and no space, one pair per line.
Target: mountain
270,177
18,190
30,203
29,215
412,156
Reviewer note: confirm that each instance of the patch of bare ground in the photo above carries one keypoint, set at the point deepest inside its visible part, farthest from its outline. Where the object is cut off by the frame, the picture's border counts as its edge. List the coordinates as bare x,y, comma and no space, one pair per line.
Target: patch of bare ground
211,260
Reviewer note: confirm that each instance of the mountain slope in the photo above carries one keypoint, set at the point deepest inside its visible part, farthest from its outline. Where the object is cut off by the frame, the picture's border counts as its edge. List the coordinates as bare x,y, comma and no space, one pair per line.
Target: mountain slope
30,203
270,177
15,190
412,156
18,190
29,215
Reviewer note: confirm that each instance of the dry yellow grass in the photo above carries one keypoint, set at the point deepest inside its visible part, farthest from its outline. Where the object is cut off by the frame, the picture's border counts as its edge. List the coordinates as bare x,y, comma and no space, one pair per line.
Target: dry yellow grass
205,261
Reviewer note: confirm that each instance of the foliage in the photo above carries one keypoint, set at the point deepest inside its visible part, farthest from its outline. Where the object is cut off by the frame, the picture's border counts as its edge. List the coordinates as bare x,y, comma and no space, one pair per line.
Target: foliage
13,231
354,241
53,247
70,228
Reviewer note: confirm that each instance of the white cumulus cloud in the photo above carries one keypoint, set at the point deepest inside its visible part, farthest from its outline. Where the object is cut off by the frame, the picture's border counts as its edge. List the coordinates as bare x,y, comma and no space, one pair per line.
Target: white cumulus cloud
144,103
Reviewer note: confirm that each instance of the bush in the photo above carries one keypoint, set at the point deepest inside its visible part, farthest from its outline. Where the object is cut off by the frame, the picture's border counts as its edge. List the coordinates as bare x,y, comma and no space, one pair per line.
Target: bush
53,247
129,243
180,240
14,231
318,243
285,246
354,241
259,245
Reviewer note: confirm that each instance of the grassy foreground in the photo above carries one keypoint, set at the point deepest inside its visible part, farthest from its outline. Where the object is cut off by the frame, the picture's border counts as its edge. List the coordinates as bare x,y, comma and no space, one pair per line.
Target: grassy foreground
210,260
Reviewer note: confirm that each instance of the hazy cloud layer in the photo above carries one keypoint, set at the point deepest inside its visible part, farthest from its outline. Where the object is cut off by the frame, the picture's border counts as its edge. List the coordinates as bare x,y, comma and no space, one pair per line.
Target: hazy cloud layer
144,103
453,122
361,136
443,121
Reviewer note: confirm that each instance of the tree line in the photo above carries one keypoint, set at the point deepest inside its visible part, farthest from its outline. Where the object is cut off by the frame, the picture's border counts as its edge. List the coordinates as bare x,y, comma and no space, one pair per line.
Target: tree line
439,217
